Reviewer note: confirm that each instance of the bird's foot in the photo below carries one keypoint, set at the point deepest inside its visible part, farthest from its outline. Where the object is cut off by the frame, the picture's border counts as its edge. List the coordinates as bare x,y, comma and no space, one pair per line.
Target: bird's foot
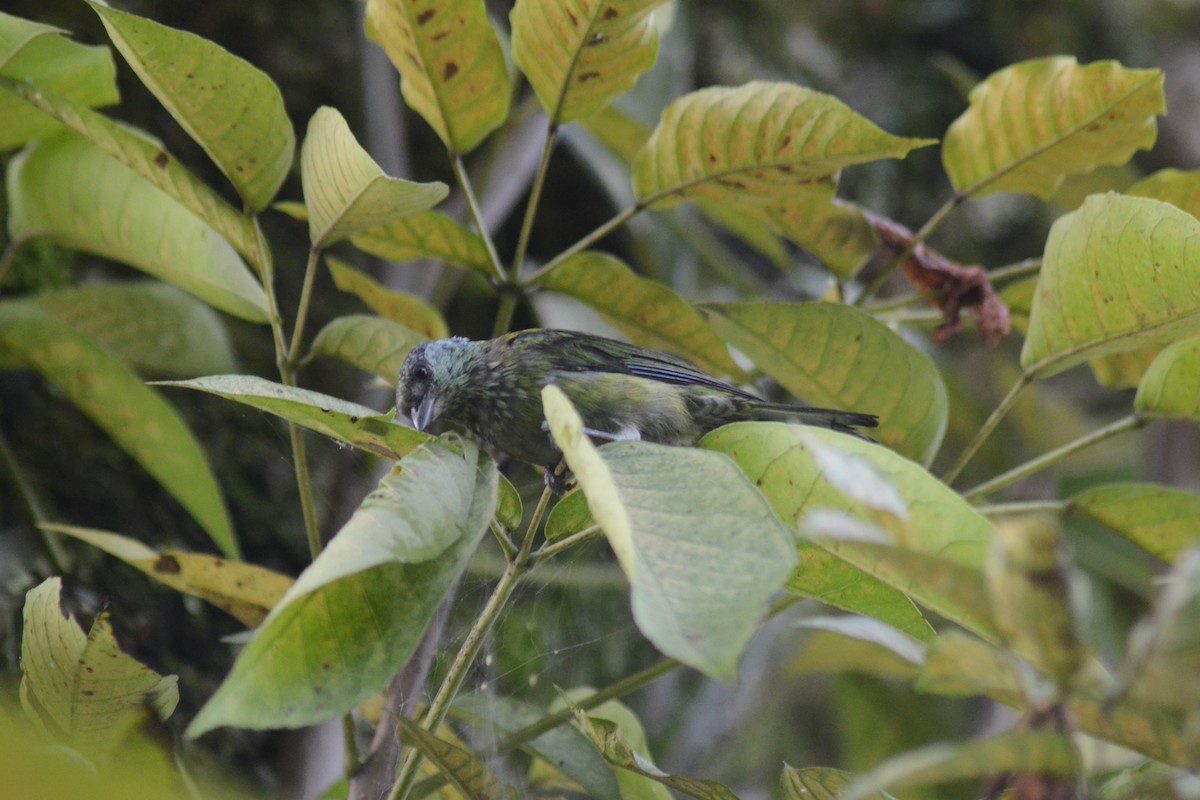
560,480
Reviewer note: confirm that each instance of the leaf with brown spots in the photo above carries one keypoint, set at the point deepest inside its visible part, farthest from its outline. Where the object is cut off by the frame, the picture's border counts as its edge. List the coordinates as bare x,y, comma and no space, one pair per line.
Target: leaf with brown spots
245,591
451,65
580,55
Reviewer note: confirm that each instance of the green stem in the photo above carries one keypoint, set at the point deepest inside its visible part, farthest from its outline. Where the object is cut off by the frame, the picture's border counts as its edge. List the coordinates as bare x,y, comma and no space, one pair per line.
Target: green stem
464,181
1012,272
506,545
919,237
33,506
1129,423
509,294
988,426
548,551
535,197
1024,507
310,272
584,243
350,762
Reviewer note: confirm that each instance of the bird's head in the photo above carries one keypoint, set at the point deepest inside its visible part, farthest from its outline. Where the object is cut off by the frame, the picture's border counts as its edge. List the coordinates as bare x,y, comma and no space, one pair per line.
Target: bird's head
435,380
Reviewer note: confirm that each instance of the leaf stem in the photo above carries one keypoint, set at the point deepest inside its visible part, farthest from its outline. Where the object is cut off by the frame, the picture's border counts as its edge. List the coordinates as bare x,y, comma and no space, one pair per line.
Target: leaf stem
464,181
535,197
988,426
1024,507
1015,271
33,506
918,238
551,549
1129,423
584,243
310,272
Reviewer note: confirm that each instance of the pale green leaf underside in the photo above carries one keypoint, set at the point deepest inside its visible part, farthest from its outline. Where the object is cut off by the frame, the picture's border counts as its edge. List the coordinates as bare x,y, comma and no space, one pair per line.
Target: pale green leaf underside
147,157
451,66
354,424
1171,386
1118,274
70,191
1161,520
345,191
322,652
229,107
829,354
756,143
84,688
426,235
150,325
138,420
31,55
371,343
646,311
580,55
701,547
404,309
1031,124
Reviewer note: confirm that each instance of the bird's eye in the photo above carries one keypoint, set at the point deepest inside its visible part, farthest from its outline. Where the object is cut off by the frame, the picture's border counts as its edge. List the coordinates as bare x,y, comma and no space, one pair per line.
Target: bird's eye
422,372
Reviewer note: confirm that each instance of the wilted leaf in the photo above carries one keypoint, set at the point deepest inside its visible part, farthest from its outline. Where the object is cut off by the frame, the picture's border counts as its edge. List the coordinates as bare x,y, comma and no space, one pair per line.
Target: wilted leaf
137,419
229,107
70,191
818,783
405,309
345,191
371,343
451,65
580,56
1117,275
1033,123
466,771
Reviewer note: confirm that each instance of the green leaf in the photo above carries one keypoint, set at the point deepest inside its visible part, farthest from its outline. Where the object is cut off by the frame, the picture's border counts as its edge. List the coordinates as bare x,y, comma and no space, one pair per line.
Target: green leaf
758,142
407,310
818,783
570,515
68,190
245,591
701,548
1117,275
782,461
371,343
1045,753
835,355
872,631
360,608
1159,519
84,689
138,151
466,771
579,57
33,54
338,419
1171,386
563,747
836,232
1031,124
230,108
426,235
150,325
1166,644
612,745
646,311
451,66
137,419
345,191
1180,189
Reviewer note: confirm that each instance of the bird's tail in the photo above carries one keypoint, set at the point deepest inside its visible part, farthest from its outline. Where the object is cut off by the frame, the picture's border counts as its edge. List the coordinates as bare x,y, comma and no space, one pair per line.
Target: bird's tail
844,421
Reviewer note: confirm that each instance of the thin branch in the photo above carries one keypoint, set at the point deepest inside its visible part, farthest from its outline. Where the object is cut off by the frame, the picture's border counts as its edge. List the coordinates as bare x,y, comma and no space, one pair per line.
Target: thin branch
310,272
535,196
1012,272
988,426
1023,507
464,181
551,549
33,506
919,237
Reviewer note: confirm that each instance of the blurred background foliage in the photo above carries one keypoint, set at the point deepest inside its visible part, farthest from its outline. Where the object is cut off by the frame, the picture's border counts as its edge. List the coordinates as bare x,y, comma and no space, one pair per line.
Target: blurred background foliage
905,64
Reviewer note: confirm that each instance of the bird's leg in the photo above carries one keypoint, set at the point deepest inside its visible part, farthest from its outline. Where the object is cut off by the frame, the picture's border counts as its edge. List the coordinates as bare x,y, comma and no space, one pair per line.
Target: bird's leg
560,480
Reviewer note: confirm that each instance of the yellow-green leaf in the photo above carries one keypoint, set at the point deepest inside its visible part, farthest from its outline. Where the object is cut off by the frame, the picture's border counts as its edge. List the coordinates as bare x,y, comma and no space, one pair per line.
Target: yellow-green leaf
758,142
1123,370
345,191
1118,274
371,343
466,771
143,424
66,189
1171,386
835,355
338,419
146,156
230,108
245,591
1033,123
84,688
34,55
405,309
835,232
580,55
646,311
426,235
1159,519
451,66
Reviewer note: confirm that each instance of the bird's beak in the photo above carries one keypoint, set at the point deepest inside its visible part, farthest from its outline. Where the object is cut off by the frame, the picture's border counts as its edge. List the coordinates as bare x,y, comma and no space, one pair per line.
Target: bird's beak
425,413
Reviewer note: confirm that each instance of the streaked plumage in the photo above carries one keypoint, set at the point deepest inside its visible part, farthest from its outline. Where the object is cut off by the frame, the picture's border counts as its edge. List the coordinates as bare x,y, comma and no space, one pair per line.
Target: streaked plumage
621,390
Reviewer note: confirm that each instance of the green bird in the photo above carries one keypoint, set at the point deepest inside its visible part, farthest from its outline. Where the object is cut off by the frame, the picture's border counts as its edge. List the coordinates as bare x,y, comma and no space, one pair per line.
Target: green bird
623,391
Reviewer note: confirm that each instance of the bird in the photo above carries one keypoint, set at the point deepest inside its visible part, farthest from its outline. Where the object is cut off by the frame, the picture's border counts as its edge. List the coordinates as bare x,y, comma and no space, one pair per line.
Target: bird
622,391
